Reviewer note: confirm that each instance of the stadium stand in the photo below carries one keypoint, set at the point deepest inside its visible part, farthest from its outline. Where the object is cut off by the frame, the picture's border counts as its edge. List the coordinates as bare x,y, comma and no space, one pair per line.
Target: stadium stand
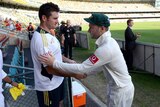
105,7
78,10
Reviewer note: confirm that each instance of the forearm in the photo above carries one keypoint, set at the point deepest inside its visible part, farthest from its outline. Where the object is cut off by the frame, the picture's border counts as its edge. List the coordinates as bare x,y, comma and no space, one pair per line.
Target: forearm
79,68
95,71
7,80
62,39
58,72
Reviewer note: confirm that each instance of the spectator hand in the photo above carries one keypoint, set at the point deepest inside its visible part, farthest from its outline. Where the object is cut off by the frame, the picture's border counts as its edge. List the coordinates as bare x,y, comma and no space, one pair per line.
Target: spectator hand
47,59
17,91
138,35
15,84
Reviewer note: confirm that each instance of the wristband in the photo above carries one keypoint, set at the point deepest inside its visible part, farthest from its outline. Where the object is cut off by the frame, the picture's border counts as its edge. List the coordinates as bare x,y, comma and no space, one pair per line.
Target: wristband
11,82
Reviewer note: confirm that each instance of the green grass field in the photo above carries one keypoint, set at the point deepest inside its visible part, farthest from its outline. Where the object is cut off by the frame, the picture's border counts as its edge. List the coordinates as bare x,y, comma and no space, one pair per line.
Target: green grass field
147,86
150,31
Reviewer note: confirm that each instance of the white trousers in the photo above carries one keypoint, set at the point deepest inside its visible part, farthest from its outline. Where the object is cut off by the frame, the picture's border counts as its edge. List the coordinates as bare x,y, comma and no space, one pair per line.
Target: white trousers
120,97
1,100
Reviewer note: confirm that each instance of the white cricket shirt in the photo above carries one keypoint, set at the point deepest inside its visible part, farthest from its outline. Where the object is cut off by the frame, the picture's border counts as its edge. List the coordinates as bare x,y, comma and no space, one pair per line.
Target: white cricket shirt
43,42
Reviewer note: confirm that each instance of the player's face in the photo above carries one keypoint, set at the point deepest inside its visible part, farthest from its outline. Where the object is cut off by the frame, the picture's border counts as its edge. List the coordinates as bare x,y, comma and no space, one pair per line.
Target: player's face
52,21
94,31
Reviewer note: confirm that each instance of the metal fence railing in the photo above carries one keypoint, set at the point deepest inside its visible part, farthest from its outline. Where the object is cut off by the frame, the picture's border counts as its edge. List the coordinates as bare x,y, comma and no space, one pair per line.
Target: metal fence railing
27,100
146,57
30,97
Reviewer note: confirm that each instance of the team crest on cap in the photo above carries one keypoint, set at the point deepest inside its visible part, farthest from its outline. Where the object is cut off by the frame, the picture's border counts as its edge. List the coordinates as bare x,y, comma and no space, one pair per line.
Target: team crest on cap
93,59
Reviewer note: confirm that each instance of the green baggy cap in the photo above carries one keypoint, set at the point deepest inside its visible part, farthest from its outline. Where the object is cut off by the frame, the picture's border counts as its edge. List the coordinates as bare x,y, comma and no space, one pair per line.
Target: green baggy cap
98,19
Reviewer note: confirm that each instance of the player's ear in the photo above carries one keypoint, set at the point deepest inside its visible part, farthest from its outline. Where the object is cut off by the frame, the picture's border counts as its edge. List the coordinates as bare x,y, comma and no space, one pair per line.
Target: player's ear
44,18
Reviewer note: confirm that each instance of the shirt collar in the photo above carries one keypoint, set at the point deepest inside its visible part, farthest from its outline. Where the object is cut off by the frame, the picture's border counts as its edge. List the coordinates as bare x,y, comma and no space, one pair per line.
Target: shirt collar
130,27
102,38
40,30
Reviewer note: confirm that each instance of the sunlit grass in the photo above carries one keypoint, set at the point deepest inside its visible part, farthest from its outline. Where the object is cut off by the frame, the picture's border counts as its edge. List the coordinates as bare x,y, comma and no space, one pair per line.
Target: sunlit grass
150,31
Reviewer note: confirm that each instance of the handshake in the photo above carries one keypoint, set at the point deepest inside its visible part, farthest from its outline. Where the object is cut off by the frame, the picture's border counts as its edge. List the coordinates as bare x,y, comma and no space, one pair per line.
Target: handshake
80,76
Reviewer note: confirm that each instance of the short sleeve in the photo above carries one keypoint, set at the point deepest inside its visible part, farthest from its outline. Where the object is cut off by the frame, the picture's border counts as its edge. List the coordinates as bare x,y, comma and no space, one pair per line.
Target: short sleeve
37,46
3,74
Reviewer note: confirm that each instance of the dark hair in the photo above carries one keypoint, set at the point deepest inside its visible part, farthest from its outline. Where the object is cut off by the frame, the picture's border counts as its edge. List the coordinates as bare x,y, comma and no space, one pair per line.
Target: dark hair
47,8
128,21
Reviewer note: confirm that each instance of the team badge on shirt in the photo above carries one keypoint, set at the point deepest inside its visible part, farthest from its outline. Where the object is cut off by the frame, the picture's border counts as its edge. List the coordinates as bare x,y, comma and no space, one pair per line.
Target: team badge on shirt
93,59
52,41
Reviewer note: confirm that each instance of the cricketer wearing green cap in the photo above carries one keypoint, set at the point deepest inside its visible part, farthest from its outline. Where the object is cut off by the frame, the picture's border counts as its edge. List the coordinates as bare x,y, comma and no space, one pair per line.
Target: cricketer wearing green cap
107,58
98,19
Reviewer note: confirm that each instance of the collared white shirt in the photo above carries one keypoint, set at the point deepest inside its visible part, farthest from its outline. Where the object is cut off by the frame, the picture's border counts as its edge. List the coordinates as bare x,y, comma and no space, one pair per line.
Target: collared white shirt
41,44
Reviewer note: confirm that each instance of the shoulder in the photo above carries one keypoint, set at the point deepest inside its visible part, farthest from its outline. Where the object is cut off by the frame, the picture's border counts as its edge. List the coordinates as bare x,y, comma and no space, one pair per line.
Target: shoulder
127,28
36,34
103,50
36,38
104,53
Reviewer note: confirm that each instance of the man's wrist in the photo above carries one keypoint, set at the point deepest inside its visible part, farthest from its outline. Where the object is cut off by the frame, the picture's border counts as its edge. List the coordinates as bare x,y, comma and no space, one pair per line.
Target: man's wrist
10,82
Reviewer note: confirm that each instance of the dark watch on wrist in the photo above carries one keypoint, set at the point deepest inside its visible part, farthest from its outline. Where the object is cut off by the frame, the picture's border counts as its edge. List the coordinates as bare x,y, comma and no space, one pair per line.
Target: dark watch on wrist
11,82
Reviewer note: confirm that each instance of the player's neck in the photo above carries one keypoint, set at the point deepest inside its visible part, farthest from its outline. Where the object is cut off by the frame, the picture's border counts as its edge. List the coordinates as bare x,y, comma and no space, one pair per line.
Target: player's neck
44,28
